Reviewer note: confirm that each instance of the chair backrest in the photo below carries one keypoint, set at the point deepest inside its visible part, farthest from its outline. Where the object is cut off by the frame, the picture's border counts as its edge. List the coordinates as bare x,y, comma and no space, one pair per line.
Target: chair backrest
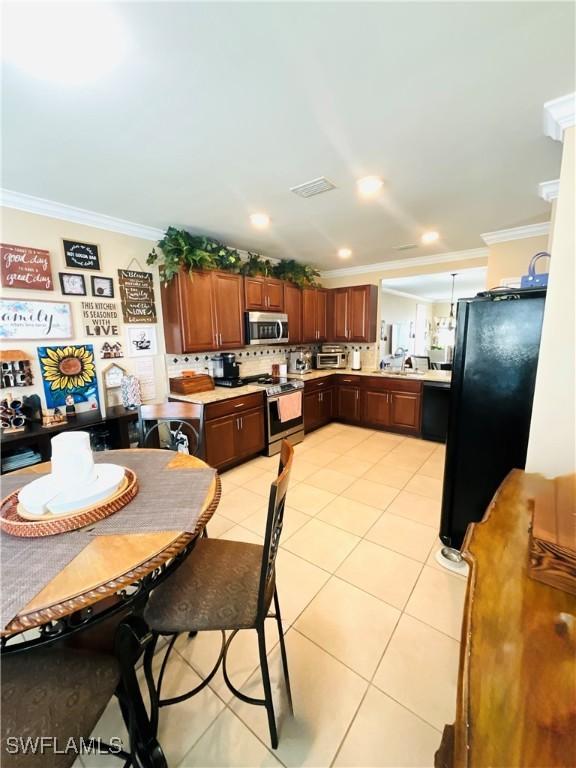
421,362
184,423
276,504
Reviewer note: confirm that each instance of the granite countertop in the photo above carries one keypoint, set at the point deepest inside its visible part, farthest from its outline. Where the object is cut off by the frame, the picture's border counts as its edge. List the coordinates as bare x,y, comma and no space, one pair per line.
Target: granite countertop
437,376
217,394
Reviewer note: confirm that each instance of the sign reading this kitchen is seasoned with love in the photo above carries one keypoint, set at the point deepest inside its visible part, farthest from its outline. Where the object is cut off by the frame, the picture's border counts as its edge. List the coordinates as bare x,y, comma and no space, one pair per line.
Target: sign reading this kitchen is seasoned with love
137,296
28,268
100,318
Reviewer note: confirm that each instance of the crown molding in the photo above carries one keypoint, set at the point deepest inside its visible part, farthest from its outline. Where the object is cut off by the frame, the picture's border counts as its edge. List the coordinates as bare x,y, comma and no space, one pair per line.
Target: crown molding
39,205
549,190
559,114
417,261
516,233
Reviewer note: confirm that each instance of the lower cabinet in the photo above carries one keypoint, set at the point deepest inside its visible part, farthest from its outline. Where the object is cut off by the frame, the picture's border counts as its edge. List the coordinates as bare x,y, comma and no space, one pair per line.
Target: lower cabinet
376,408
405,410
318,408
234,430
348,399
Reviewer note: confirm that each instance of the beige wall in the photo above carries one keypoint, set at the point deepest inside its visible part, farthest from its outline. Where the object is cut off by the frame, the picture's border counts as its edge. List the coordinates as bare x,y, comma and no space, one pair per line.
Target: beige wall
511,259
116,252
551,448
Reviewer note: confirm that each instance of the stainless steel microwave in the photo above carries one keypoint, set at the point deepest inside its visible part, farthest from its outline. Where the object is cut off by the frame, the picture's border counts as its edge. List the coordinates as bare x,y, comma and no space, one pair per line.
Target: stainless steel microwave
266,328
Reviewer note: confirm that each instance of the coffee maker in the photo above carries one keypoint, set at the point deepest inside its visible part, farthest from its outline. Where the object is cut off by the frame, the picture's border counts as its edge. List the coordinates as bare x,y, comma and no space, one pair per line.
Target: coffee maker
226,370
299,362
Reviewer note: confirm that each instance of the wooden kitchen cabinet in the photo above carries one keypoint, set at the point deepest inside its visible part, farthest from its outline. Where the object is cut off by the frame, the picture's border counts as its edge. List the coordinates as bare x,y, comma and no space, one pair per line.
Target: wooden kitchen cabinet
203,311
234,430
264,293
392,404
405,410
293,308
314,315
318,403
354,313
376,408
348,400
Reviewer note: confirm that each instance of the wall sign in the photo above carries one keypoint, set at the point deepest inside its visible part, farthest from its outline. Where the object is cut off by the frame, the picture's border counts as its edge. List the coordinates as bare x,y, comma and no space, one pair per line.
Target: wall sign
141,341
22,319
81,255
100,318
28,268
137,296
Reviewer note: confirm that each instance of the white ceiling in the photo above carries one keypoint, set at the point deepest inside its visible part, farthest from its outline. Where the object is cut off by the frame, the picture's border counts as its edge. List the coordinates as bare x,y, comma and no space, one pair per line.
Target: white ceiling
221,107
438,286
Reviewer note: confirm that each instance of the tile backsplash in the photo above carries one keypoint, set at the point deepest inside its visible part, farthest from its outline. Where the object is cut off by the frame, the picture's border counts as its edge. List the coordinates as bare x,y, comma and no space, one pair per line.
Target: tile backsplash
255,359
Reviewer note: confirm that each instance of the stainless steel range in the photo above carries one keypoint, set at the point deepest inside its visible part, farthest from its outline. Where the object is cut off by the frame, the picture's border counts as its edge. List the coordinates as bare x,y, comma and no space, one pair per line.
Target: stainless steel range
277,427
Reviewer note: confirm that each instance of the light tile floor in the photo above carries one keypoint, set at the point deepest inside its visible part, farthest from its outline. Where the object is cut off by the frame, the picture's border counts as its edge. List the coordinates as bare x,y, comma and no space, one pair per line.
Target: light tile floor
372,621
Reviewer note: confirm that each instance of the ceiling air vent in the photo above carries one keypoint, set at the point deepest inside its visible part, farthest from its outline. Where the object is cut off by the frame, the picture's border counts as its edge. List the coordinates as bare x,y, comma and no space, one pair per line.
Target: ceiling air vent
407,247
314,187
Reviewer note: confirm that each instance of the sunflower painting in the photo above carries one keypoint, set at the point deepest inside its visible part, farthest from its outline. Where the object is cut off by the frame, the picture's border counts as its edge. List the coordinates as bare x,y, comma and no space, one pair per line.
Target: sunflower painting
67,371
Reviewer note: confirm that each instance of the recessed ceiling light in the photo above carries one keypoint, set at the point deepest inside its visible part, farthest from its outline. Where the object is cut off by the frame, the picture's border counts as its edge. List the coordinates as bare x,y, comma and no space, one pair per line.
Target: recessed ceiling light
429,237
260,220
344,253
67,43
369,186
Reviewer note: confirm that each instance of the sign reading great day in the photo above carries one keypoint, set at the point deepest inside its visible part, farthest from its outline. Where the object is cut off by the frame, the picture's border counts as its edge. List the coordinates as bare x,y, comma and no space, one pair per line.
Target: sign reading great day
100,318
28,268
137,296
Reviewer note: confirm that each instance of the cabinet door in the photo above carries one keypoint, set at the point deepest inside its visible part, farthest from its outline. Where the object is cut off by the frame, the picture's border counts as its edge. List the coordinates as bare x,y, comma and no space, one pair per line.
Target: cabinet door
220,437
255,293
309,327
405,410
311,411
362,313
250,432
322,314
340,302
326,405
293,308
275,295
197,312
376,408
348,408
229,310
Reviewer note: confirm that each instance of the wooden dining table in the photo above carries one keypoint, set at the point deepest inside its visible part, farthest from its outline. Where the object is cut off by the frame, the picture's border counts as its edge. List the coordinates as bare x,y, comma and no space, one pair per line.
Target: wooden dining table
110,564
100,594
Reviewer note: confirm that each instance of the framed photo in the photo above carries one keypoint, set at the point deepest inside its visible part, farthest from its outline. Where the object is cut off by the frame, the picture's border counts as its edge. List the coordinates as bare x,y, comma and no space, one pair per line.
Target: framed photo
72,285
102,287
141,340
81,255
23,319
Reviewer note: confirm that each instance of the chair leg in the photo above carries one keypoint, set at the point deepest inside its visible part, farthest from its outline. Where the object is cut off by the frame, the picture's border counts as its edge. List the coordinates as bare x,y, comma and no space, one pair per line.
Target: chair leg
268,703
283,650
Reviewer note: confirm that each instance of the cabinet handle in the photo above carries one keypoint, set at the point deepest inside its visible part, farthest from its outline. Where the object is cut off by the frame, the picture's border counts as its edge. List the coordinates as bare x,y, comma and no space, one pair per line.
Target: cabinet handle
348,381
242,422
239,405
220,335
357,394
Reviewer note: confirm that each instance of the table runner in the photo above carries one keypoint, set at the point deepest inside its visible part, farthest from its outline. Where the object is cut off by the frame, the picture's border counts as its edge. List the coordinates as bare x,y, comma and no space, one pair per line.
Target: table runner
167,500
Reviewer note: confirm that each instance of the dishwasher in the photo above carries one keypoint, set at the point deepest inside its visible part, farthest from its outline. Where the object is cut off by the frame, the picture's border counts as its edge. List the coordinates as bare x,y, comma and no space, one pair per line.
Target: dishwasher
435,409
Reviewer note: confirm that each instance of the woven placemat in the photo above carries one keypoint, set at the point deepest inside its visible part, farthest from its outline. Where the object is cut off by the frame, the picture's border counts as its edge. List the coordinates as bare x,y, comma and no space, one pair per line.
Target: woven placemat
29,564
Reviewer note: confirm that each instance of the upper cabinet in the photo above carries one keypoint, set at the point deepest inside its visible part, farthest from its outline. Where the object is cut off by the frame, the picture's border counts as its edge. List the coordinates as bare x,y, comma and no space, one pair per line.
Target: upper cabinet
203,311
314,315
264,293
354,313
293,308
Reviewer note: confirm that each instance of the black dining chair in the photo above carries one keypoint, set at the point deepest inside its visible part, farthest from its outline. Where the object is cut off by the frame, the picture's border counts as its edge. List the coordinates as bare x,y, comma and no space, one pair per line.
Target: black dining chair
178,426
227,586
57,695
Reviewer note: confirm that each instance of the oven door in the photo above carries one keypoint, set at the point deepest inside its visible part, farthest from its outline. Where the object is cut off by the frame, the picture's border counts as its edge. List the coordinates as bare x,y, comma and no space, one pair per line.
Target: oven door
266,328
278,429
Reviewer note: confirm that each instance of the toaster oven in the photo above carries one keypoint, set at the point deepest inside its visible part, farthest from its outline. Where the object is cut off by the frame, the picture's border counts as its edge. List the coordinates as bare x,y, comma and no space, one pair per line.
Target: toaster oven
331,356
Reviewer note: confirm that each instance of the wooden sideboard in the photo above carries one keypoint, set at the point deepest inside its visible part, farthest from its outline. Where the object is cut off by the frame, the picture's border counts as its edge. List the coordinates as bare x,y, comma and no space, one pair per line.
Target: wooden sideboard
516,704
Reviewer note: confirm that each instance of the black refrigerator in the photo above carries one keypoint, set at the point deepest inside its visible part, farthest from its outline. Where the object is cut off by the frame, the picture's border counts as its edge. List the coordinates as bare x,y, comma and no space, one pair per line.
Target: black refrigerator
494,373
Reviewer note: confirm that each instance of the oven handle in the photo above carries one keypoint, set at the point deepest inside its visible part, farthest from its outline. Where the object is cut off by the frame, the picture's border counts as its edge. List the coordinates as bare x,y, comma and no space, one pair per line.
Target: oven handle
275,399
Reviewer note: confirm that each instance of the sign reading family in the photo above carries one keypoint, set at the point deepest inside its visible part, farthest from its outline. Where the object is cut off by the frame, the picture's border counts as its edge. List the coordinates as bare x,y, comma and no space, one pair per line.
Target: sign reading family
81,255
137,296
21,319
22,267
100,318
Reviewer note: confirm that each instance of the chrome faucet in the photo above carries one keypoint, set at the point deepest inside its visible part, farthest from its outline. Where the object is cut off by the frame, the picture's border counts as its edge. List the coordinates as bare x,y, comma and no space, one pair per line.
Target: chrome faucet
403,352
